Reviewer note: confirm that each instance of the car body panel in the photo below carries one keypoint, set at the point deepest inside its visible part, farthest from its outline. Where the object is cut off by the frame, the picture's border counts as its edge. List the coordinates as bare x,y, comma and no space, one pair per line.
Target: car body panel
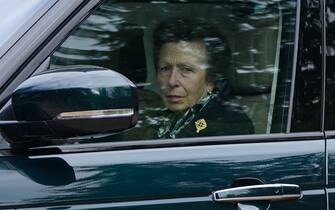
165,176
170,173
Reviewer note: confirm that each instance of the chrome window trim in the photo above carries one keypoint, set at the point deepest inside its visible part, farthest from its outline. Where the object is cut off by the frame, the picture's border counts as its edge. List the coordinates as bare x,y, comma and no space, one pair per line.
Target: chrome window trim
329,134
168,143
323,91
199,141
324,65
276,72
294,66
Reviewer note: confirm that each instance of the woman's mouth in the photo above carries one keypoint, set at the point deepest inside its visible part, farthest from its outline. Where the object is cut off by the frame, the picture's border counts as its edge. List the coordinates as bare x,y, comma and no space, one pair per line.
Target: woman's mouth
173,98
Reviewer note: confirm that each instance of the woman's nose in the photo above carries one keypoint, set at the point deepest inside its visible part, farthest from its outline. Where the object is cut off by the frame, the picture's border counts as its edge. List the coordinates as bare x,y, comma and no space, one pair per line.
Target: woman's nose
173,80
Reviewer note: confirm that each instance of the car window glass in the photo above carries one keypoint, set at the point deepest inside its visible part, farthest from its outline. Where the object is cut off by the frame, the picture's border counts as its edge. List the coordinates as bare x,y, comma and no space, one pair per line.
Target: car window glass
330,59
308,100
226,71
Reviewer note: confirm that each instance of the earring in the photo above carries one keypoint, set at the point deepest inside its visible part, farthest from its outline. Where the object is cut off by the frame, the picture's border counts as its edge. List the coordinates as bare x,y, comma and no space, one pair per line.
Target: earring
209,92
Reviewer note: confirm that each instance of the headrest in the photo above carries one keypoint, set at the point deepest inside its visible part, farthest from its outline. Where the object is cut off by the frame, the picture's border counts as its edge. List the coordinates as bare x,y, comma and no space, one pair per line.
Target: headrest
254,45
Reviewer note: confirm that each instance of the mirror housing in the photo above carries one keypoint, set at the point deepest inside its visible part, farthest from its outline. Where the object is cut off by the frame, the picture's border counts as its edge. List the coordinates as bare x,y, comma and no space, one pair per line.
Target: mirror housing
69,102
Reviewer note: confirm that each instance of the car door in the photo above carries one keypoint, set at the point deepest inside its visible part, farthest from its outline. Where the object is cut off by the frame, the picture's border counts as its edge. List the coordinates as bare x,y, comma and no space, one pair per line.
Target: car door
180,177
276,80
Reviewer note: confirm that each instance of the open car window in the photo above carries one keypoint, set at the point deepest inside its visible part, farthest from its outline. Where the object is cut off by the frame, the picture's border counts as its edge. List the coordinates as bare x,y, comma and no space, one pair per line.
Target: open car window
245,48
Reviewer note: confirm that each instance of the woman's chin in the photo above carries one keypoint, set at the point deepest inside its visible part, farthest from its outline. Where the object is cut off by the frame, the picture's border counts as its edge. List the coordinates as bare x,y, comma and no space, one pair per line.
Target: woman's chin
177,107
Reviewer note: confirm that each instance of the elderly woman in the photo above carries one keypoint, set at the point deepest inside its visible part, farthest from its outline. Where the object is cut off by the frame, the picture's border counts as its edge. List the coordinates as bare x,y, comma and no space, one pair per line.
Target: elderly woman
190,59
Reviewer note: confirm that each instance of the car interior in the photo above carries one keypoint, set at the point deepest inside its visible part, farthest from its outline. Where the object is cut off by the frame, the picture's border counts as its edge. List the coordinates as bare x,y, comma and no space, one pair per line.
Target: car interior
119,36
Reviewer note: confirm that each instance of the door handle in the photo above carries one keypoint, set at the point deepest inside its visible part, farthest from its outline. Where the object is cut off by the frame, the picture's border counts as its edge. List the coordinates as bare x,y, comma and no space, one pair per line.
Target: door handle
262,192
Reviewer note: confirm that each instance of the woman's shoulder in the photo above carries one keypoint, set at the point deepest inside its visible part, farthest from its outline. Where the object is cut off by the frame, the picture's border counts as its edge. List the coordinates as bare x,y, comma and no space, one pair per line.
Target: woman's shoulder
224,116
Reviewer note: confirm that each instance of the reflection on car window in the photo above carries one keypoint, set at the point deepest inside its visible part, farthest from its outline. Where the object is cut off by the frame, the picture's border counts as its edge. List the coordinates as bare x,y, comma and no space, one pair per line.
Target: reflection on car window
224,72
190,59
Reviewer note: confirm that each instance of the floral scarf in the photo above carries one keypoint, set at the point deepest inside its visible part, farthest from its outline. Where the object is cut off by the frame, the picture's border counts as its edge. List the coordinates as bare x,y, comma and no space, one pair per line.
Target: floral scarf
172,127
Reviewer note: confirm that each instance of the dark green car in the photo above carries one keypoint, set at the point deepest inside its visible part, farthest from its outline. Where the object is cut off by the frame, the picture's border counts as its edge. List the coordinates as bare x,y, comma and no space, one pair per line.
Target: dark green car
181,104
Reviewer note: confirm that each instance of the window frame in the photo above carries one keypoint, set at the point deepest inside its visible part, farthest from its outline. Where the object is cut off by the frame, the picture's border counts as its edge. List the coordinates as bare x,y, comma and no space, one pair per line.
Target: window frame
59,36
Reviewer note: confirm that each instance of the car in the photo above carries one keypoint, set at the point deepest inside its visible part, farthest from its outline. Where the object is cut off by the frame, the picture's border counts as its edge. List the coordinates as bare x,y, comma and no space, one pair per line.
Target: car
81,106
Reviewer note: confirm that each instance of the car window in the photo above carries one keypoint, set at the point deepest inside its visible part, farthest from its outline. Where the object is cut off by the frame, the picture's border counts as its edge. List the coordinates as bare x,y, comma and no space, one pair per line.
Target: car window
225,71
330,33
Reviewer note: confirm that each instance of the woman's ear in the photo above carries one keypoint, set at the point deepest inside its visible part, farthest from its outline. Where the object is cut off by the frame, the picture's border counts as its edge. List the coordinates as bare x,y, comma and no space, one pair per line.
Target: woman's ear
210,87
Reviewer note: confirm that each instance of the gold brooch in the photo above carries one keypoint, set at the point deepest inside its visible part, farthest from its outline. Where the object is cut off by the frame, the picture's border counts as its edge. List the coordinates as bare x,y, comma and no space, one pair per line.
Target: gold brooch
200,125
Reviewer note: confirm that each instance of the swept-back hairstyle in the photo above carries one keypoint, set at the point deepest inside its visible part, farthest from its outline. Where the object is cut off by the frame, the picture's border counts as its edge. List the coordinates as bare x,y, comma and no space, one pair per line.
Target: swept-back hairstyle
184,29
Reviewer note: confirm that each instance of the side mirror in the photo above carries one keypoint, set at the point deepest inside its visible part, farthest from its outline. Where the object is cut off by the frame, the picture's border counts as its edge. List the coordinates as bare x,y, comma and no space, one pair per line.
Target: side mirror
69,102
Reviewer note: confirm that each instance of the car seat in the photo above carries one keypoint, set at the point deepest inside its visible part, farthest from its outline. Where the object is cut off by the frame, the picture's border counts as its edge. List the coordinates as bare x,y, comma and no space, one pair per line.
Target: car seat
255,45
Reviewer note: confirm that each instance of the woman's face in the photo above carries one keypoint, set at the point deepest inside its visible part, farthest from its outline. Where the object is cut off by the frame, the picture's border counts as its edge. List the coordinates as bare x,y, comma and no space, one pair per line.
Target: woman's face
182,74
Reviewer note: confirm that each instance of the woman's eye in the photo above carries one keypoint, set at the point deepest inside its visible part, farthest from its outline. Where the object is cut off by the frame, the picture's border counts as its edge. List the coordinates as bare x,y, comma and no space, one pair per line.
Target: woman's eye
164,68
187,69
